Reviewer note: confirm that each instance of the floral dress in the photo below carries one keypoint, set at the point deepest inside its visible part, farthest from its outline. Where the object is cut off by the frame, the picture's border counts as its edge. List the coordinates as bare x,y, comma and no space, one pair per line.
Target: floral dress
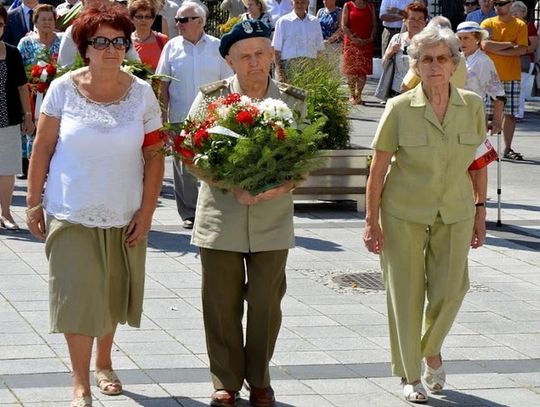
329,21
31,48
358,59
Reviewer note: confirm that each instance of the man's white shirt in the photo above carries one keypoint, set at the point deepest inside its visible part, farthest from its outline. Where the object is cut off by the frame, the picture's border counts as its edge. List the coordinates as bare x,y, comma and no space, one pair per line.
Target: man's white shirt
193,65
295,37
388,4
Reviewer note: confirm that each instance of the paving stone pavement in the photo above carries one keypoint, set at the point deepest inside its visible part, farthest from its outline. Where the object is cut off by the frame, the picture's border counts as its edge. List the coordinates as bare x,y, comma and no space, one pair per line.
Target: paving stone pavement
333,348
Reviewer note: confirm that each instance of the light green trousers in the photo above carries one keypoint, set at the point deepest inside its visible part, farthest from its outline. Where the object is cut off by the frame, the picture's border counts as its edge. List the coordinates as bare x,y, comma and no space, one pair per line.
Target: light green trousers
422,262
229,278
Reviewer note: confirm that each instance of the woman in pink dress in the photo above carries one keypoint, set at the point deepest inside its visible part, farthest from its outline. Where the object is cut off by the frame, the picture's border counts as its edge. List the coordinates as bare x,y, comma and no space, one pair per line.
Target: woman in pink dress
359,26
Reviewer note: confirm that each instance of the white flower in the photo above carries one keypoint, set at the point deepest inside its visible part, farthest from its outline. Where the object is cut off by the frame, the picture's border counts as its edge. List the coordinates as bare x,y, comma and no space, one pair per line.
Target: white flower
44,75
223,111
245,100
275,110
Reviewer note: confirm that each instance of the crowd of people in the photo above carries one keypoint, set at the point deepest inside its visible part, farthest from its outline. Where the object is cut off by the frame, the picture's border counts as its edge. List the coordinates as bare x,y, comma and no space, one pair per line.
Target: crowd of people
96,168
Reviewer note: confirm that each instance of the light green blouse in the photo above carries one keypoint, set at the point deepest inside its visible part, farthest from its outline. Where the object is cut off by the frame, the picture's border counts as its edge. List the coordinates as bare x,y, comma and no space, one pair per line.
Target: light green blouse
429,171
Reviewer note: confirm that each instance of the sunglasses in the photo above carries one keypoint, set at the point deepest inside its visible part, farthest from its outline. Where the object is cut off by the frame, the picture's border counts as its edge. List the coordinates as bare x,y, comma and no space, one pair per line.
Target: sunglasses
101,43
470,3
441,59
139,17
183,20
501,3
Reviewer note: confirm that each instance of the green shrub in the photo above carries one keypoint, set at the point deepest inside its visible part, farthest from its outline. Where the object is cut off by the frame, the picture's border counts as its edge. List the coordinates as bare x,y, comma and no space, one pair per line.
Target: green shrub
326,97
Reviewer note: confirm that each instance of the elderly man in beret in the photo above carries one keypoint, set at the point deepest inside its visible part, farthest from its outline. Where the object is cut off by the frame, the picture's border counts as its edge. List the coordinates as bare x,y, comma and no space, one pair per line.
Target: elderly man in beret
244,239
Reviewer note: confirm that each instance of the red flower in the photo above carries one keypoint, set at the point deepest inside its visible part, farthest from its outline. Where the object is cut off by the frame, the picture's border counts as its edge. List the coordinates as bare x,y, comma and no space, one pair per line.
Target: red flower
280,133
212,107
200,137
187,155
178,141
51,70
231,99
36,71
245,117
41,87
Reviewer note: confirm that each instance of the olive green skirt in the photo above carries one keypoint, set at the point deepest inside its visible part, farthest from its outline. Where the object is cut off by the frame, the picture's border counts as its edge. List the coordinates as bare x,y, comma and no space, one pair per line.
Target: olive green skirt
95,280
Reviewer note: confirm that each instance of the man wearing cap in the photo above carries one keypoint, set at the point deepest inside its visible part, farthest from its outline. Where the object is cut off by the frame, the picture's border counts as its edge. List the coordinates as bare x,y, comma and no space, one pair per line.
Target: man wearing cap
192,59
485,11
508,41
297,35
244,239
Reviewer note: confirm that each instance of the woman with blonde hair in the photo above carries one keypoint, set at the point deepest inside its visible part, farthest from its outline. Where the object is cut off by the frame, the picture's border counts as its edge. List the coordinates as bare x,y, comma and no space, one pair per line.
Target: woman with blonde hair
256,10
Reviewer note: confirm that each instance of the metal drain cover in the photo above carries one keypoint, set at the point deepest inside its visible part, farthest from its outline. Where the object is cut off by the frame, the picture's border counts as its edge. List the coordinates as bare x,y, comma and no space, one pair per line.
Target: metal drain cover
369,281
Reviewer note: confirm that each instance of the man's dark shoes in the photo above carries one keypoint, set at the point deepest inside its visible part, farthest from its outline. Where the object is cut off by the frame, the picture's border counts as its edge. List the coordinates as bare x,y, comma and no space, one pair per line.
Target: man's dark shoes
188,223
224,398
261,397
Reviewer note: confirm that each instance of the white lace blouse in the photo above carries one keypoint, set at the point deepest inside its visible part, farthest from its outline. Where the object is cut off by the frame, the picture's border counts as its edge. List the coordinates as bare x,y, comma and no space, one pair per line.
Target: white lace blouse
96,172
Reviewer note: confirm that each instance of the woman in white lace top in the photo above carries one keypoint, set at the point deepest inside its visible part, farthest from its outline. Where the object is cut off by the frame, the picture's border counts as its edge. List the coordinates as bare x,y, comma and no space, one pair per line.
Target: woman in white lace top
98,145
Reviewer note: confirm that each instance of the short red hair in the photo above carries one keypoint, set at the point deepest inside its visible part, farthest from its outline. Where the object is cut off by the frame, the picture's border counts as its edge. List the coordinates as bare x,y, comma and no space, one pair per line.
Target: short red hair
90,19
415,6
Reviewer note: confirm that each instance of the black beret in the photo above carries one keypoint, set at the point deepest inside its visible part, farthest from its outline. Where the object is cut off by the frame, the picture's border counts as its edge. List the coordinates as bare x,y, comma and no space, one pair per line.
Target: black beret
241,31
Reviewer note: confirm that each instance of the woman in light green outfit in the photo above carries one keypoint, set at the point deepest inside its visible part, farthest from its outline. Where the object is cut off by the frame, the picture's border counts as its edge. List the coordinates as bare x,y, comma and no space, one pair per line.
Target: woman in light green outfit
98,145
423,216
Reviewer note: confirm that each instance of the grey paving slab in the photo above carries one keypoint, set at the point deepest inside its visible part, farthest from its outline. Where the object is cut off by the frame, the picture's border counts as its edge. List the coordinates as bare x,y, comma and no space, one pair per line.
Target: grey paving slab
7,397
507,397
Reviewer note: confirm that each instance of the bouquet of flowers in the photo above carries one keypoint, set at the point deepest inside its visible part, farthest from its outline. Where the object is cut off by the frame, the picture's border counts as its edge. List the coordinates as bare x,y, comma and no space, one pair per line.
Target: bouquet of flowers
40,75
247,144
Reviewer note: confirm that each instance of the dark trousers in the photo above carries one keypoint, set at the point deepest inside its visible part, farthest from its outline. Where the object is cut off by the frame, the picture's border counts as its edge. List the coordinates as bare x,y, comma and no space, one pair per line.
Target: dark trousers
229,278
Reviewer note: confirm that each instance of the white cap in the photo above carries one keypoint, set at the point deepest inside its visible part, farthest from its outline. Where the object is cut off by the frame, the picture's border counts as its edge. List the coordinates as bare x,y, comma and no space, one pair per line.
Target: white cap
472,27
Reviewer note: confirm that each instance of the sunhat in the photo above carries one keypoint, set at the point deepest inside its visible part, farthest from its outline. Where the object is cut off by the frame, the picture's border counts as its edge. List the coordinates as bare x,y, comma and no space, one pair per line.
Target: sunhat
472,27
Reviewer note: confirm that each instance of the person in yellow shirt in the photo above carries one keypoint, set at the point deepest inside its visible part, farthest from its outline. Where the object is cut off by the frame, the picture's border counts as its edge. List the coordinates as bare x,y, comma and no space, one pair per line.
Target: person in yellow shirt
508,41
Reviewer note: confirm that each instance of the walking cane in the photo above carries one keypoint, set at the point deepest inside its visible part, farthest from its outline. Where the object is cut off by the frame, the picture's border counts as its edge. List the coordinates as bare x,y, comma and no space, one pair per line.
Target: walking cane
499,192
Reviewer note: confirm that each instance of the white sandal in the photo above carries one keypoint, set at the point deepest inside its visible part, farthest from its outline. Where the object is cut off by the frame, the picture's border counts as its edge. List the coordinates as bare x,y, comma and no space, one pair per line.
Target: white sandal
414,393
434,378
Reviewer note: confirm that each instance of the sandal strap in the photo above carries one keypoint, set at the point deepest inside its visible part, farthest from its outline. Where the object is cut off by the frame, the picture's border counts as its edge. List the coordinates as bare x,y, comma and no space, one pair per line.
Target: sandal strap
435,379
85,401
106,378
415,393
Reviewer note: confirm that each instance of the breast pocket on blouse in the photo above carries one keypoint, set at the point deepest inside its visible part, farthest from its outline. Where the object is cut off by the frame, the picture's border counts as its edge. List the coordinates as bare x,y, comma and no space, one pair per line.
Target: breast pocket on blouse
469,138
413,140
